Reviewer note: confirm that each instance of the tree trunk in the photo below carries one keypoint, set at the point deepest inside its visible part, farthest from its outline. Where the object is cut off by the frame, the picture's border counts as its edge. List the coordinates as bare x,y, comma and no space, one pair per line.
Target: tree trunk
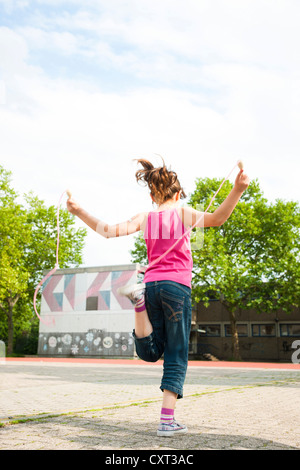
10,337
235,346
11,302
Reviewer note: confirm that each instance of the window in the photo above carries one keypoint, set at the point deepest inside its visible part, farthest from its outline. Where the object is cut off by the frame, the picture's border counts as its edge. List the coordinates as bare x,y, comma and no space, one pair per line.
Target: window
263,330
290,329
91,303
241,329
209,330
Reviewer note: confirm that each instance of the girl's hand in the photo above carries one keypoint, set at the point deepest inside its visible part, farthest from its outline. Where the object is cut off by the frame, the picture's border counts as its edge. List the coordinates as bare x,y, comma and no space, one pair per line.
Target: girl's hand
72,206
242,181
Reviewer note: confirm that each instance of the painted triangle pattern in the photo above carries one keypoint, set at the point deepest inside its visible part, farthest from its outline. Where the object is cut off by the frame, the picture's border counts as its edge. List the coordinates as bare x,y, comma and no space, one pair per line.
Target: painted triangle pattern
69,288
119,279
59,292
54,302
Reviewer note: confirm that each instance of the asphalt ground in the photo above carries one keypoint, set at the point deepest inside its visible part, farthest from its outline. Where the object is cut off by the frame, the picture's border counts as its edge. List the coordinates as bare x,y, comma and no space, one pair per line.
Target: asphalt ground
114,406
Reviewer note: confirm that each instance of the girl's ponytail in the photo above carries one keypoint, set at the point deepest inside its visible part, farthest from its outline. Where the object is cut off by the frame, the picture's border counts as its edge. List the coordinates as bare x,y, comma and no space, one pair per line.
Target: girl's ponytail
163,183
144,175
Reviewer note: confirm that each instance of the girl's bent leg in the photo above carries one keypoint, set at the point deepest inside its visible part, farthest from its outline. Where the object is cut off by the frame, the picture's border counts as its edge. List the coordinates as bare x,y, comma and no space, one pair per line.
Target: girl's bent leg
148,348
143,326
149,344
136,294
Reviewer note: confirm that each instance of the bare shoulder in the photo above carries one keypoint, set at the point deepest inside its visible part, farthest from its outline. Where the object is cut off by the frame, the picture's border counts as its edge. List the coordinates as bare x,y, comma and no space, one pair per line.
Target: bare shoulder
188,215
140,219
192,217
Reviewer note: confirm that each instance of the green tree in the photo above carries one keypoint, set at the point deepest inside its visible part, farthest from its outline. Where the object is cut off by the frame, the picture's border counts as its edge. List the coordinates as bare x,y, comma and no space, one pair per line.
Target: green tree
139,252
28,235
251,261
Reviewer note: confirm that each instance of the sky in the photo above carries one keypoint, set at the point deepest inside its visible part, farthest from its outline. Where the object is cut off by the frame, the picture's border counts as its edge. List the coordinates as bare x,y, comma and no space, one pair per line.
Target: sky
88,86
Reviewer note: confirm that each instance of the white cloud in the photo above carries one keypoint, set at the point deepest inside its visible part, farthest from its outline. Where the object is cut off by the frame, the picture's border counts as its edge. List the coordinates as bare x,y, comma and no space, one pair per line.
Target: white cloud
10,5
260,32
36,38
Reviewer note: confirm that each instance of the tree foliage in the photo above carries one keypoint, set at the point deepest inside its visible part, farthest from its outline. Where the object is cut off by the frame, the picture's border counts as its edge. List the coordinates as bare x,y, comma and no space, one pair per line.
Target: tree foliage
28,233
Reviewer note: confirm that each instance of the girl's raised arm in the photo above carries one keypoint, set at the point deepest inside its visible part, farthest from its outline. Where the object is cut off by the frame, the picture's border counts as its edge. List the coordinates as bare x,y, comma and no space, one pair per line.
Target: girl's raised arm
128,227
222,213
135,224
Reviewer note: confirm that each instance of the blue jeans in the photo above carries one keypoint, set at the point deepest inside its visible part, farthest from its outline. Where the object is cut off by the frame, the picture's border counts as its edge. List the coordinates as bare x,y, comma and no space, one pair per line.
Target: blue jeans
169,309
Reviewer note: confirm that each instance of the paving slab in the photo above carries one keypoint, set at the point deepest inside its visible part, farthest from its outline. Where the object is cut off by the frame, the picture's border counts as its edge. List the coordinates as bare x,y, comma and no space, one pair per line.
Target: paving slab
115,405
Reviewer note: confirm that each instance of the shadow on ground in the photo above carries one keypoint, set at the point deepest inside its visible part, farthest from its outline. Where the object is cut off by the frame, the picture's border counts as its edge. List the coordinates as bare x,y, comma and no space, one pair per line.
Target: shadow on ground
96,433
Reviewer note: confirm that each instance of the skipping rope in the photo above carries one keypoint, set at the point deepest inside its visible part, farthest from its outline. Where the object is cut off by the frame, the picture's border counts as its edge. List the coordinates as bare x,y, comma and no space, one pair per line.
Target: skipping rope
157,260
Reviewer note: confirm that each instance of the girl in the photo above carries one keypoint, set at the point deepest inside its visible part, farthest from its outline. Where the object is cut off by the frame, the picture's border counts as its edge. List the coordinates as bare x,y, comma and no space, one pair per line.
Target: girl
163,302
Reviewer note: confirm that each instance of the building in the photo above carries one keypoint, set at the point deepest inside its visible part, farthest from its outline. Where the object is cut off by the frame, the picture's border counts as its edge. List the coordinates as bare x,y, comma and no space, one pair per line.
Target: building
83,315
262,336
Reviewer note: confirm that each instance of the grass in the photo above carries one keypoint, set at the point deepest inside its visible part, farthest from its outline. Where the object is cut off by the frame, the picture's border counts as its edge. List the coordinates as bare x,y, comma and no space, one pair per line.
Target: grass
45,416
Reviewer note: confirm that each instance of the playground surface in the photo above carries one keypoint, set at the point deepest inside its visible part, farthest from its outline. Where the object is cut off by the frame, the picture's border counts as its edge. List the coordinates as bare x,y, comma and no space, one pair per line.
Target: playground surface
114,405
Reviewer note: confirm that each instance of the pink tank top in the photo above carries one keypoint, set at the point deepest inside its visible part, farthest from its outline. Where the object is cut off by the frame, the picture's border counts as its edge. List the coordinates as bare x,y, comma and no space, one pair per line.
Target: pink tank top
161,232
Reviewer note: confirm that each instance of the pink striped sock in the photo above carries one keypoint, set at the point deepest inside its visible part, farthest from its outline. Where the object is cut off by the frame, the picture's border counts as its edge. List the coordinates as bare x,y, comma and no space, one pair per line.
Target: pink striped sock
140,305
166,416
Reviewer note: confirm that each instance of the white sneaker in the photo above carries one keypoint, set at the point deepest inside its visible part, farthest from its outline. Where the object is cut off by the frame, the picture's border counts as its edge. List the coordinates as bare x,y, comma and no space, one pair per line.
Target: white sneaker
134,292
169,430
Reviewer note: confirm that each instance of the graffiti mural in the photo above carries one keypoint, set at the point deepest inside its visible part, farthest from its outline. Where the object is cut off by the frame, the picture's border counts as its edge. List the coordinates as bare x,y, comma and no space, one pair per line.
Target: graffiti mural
69,292
92,343
84,314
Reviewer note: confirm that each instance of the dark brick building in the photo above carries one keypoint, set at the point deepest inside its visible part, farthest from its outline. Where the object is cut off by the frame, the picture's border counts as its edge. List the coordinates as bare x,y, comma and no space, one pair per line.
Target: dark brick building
262,337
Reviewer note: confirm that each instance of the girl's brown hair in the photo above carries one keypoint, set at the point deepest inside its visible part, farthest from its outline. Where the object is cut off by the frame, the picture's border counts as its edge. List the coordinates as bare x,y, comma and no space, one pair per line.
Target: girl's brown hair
163,183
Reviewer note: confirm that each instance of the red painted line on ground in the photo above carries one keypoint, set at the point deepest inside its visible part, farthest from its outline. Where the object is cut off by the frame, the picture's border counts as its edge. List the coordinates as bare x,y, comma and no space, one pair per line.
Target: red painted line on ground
247,365
139,362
